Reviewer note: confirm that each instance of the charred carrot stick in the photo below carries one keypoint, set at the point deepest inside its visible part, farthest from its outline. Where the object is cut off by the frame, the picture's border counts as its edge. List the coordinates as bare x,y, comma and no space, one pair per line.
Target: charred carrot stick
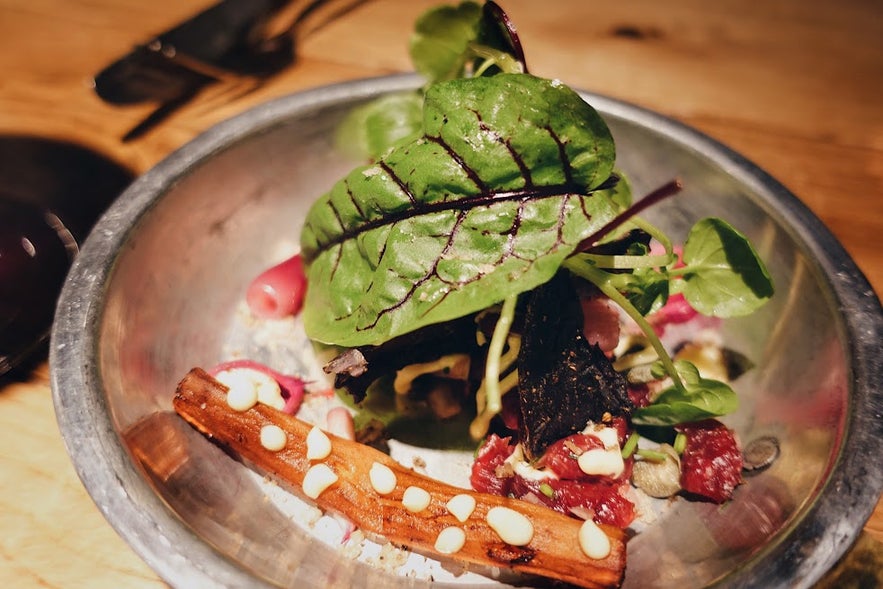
535,540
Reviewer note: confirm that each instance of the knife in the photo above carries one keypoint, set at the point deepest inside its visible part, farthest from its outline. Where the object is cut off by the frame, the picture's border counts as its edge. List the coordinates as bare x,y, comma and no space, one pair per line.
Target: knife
228,41
220,41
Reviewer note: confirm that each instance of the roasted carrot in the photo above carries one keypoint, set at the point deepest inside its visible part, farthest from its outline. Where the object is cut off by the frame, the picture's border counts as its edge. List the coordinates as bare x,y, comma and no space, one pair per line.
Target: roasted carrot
553,549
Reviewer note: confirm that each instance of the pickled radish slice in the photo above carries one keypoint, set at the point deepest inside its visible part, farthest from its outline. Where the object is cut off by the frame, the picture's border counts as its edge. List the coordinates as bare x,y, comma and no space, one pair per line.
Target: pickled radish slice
279,291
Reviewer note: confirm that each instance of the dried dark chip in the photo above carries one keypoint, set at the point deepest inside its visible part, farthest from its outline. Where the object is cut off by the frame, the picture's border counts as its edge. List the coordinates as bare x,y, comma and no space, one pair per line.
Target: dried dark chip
563,381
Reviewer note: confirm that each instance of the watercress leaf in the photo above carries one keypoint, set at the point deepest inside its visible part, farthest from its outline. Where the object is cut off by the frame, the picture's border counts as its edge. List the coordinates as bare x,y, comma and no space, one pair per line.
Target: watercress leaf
637,249
657,370
689,374
647,290
671,413
724,276
440,40
378,403
487,204
372,129
702,399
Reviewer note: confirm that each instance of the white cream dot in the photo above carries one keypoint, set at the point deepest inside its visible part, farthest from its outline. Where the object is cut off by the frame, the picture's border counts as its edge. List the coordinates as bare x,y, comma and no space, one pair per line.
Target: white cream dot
601,462
513,527
461,506
269,392
242,398
416,499
318,444
273,437
593,541
609,437
383,479
242,395
318,478
247,381
450,540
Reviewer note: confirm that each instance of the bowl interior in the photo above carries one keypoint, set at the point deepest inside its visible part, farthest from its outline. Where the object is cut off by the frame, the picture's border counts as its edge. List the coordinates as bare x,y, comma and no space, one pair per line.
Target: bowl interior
168,267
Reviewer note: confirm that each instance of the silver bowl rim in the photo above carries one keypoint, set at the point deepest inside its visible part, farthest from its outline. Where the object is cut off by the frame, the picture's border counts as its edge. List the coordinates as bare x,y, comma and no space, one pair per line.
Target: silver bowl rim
821,536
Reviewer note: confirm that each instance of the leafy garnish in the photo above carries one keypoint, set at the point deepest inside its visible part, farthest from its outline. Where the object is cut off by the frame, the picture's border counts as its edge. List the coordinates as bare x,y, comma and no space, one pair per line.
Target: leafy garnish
452,42
441,38
647,290
406,420
698,399
357,368
449,42
500,180
487,204
723,275
720,275
493,398
373,128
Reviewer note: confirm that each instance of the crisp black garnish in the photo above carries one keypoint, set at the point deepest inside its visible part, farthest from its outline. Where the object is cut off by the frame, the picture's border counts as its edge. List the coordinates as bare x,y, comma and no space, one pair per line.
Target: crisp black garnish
563,381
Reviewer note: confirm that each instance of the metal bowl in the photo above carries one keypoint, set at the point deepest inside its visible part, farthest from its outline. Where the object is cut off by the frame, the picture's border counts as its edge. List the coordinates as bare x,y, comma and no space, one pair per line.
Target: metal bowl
155,288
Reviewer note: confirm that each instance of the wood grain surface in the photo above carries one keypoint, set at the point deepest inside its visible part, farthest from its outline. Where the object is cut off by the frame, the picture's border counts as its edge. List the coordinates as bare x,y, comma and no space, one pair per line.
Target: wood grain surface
794,85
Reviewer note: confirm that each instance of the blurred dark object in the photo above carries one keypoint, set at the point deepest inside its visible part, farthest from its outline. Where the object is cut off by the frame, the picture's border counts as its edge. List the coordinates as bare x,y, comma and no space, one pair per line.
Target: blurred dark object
239,42
224,39
51,194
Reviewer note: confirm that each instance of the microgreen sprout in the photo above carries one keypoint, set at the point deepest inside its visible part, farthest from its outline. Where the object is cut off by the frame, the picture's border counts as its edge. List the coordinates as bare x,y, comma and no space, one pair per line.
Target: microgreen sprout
489,398
492,369
651,455
680,443
631,444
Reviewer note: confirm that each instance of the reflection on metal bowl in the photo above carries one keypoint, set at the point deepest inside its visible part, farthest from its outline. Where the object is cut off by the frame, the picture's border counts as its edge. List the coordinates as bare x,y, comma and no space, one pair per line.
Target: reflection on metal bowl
153,294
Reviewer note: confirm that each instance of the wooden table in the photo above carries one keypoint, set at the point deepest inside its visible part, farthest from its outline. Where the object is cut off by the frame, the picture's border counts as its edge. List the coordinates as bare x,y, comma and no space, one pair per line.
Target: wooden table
795,85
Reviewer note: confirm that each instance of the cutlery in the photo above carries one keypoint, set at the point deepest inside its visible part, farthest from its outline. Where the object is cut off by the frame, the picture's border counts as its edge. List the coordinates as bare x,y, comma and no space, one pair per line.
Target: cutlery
235,42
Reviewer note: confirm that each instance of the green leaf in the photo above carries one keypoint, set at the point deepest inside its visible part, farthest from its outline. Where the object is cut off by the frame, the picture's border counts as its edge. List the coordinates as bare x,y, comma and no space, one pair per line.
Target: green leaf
647,290
486,205
371,129
701,398
724,276
440,40
621,192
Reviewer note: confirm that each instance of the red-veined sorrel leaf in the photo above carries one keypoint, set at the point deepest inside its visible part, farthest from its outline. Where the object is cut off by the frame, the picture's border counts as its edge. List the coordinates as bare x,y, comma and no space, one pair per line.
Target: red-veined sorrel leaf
488,203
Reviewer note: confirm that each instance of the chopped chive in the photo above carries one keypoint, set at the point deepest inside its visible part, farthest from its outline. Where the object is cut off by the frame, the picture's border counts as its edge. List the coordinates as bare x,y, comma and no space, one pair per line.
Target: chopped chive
630,445
547,490
651,455
680,442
